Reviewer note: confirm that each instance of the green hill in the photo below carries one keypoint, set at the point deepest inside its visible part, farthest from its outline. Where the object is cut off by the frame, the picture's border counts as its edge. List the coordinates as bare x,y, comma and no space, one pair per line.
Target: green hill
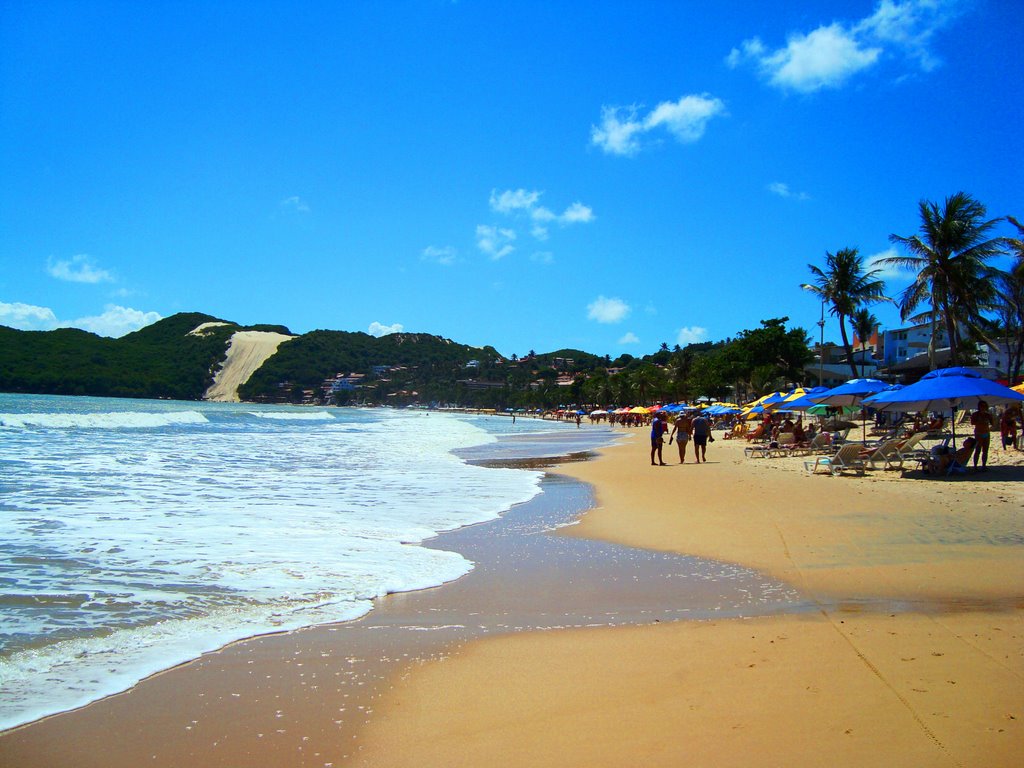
159,361
429,365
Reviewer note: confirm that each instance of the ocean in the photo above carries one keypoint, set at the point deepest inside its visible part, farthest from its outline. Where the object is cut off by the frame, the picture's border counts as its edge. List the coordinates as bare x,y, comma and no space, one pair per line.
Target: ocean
138,534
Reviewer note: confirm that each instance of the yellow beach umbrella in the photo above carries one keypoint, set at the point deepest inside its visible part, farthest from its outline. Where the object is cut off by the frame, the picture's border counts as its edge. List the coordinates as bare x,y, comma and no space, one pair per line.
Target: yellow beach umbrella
796,394
1019,388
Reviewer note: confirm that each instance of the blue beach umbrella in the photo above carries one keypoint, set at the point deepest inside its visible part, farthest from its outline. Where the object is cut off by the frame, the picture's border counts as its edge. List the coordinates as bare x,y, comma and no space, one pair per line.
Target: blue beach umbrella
945,389
804,402
850,393
773,398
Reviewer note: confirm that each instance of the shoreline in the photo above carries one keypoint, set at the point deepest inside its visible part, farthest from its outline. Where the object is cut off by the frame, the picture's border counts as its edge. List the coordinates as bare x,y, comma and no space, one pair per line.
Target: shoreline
535,697
541,582
914,654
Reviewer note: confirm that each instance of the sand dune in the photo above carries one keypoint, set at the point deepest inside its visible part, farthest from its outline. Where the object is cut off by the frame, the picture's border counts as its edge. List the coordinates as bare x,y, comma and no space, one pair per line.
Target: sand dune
246,353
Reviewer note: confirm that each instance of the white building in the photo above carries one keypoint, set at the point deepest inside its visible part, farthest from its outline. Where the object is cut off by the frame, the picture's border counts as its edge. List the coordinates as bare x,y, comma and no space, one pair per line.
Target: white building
902,344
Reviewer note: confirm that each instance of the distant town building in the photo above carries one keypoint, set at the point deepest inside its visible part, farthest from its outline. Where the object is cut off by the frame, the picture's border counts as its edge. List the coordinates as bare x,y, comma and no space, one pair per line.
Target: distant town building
901,344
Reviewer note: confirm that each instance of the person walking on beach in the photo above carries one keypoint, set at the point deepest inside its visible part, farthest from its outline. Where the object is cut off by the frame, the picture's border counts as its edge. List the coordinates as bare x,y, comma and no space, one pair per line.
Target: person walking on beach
681,432
983,422
658,428
701,430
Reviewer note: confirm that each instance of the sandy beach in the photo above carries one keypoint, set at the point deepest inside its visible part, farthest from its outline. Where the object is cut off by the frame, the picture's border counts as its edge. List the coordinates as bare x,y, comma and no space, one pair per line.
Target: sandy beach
905,647
914,657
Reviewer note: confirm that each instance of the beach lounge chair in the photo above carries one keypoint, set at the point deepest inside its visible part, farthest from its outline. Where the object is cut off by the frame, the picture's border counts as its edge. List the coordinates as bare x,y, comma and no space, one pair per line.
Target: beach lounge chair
847,458
909,450
822,443
759,451
888,454
784,445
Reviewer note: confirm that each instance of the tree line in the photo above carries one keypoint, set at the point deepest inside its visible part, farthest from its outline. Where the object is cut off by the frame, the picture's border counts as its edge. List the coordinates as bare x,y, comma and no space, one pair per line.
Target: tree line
955,285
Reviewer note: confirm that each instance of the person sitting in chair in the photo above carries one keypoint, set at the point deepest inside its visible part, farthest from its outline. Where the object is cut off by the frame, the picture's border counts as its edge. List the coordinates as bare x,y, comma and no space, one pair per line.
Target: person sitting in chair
941,463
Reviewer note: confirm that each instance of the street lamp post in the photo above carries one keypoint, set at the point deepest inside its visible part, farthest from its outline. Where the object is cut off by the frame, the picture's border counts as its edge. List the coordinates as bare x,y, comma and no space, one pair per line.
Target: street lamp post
821,346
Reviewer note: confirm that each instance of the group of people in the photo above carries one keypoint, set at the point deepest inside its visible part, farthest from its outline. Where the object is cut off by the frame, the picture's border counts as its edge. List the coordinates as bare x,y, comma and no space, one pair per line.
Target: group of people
684,429
984,423
975,448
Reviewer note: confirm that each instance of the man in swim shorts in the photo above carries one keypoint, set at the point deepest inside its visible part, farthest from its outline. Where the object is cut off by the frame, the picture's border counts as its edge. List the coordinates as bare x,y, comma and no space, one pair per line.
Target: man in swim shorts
701,430
658,428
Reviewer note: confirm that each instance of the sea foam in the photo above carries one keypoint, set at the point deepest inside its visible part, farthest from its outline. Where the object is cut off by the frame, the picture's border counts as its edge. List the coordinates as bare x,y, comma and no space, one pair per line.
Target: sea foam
139,539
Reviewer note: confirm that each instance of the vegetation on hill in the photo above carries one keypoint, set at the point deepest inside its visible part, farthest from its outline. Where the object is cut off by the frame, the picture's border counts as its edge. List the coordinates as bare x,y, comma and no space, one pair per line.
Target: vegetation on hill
168,360
428,365
958,288
159,361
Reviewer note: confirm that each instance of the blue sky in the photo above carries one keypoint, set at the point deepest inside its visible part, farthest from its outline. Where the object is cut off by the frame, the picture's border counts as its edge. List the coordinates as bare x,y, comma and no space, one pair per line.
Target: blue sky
531,175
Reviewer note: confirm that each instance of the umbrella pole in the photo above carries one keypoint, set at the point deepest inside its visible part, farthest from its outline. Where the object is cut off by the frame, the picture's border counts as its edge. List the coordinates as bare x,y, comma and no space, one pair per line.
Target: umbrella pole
952,426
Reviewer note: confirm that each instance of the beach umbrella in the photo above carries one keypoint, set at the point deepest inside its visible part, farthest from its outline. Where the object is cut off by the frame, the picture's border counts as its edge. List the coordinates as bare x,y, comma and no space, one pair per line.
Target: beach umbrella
850,393
800,399
1019,388
946,389
761,400
774,398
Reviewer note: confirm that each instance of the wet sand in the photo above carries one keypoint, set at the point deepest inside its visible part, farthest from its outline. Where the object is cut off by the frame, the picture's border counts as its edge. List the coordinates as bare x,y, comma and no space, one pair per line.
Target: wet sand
303,698
853,621
913,656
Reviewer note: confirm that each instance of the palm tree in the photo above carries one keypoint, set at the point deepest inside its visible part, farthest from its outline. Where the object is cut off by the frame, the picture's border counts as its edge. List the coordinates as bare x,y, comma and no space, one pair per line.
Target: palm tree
864,324
845,286
645,383
1016,246
950,255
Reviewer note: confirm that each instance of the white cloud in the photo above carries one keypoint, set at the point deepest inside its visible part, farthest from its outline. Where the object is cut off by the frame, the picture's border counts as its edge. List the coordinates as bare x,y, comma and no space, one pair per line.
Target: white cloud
622,128
116,321
27,317
605,310
825,58
751,49
687,118
888,271
523,202
911,25
782,190
692,335
619,131
295,204
629,338
577,213
444,255
831,55
513,200
496,242
378,330
78,269
543,257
